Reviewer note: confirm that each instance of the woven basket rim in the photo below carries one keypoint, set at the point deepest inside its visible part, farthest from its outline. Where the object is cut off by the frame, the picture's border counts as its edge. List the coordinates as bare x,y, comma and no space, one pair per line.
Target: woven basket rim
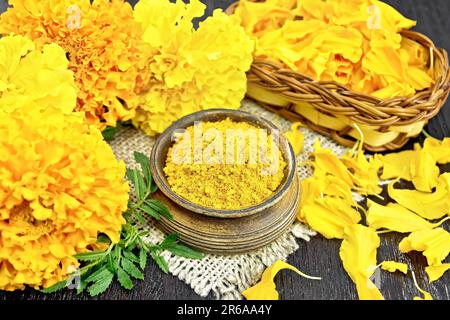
441,82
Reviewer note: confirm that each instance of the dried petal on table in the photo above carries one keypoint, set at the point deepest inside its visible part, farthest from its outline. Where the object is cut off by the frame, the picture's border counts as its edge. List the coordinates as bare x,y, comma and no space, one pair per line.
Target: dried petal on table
326,161
428,205
330,216
321,185
359,257
265,289
395,217
426,295
397,165
364,171
435,272
393,266
440,150
434,243
424,171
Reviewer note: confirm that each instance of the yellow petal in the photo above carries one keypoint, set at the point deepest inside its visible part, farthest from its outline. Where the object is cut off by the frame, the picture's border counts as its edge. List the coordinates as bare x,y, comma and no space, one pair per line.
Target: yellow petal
415,52
295,138
393,19
426,295
58,250
393,88
309,192
40,212
430,206
435,244
358,253
265,289
384,61
394,217
393,266
332,186
29,194
396,165
345,42
315,9
260,17
437,271
326,161
53,153
418,78
364,171
424,171
329,216
440,150
320,185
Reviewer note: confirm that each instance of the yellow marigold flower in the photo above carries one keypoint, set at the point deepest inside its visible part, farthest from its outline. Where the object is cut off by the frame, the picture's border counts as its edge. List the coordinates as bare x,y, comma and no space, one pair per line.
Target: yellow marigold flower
103,44
191,69
32,78
60,186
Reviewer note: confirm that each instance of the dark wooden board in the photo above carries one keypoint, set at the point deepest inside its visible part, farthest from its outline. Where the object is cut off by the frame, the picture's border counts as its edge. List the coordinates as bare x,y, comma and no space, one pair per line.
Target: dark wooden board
319,256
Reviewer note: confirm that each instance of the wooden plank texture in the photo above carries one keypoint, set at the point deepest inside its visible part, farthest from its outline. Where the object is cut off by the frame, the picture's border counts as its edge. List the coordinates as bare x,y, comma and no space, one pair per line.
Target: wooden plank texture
320,256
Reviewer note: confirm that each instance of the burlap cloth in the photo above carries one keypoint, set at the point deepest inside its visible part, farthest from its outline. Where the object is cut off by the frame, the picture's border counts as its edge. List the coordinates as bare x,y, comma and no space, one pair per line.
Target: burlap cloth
227,276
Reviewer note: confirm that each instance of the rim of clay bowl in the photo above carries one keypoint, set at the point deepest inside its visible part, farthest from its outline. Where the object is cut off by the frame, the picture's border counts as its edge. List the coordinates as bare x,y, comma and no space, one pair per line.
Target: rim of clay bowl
164,142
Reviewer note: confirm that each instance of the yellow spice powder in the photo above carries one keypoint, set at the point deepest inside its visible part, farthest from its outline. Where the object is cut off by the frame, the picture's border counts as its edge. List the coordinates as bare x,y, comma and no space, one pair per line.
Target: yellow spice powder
225,164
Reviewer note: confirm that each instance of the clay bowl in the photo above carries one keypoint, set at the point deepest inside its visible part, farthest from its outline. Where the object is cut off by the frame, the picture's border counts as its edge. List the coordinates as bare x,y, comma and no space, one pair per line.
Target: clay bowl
165,141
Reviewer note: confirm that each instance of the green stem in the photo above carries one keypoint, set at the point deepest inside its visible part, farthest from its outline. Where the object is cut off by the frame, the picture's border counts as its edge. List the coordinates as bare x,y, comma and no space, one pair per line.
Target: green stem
86,268
119,256
426,134
137,205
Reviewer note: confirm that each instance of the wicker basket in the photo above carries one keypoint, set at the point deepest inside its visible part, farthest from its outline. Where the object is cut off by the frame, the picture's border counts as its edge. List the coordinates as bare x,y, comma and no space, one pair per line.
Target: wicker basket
335,111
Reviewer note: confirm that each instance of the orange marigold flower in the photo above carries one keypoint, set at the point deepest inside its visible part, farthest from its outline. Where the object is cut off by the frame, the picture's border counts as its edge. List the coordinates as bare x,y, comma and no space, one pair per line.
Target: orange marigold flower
60,187
103,44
